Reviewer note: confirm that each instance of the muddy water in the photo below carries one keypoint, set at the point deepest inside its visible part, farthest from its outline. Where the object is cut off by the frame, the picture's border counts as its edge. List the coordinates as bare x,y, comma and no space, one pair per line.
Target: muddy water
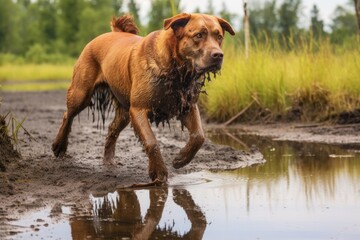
303,191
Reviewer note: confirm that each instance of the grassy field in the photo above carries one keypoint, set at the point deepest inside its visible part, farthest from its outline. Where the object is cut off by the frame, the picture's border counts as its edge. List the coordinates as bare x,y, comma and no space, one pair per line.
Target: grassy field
35,77
309,83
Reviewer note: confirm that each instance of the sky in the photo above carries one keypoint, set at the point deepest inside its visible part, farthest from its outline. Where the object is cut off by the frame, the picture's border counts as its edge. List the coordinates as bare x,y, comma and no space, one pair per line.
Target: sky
326,7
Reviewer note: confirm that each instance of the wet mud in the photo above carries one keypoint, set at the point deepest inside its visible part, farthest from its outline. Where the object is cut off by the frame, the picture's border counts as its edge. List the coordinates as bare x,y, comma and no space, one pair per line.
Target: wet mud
39,179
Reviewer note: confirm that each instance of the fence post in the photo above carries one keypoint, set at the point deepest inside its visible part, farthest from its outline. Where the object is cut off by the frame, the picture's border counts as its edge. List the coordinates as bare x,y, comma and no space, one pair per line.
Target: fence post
247,30
356,3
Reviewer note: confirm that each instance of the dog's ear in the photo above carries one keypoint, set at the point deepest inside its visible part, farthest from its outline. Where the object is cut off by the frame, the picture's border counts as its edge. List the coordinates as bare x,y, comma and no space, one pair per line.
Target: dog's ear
226,26
177,21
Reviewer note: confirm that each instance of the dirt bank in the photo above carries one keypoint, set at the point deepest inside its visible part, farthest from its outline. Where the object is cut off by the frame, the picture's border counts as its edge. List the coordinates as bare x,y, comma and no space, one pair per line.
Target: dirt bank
39,179
346,134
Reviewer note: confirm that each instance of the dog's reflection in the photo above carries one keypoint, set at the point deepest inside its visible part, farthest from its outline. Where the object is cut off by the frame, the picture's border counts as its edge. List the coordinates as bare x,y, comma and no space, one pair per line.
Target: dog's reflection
120,217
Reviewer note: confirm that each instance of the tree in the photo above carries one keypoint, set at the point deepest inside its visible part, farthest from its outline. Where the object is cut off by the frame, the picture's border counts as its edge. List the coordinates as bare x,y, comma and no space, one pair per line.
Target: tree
117,6
134,11
69,23
94,20
356,4
343,25
317,25
288,17
47,20
288,20
263,19
210,8
159,10
225,14
10,27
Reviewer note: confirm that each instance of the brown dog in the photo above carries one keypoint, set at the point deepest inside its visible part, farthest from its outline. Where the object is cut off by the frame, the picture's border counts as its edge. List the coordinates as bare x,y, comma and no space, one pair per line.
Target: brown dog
154,78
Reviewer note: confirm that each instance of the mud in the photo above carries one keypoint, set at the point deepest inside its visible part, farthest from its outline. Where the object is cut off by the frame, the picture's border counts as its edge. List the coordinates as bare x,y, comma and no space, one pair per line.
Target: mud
38,179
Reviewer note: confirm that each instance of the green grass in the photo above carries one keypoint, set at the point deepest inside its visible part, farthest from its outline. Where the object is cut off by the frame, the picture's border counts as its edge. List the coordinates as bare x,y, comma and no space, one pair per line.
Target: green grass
35,77
38,86
319,83
38,72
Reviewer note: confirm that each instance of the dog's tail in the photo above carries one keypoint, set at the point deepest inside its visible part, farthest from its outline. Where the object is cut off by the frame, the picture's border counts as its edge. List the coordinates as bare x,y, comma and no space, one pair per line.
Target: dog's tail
124,23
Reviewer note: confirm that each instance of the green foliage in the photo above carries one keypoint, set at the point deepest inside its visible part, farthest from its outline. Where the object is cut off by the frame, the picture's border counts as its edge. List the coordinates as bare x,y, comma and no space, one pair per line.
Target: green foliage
36,54
69,23
9,32
225,14
117,7
134,11
210,9
344,25
89,25
317,25
288,16
264,19
160,10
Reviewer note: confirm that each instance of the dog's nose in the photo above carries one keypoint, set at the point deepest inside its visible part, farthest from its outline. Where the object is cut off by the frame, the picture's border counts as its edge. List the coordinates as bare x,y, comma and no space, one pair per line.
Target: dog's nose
217,55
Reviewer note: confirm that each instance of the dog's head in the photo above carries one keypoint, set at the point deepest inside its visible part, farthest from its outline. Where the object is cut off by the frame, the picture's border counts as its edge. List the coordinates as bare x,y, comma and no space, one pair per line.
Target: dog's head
200,38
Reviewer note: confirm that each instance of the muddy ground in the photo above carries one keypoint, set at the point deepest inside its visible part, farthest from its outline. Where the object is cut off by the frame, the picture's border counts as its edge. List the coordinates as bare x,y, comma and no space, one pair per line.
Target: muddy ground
38,179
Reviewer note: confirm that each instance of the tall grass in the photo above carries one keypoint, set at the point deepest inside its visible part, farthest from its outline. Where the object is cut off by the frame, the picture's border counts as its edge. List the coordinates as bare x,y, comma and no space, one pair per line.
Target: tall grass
312,81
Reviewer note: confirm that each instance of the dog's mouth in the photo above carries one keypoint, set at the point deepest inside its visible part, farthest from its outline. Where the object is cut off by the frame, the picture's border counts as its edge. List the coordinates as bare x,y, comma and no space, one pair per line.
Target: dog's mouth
212,68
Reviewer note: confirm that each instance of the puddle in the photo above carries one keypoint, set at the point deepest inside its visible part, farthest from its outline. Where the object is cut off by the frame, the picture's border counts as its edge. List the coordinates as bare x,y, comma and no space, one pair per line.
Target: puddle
303,191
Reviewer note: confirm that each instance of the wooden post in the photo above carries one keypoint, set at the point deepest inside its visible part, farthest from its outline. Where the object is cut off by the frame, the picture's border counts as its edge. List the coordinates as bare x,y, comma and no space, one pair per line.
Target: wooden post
247,30
356,3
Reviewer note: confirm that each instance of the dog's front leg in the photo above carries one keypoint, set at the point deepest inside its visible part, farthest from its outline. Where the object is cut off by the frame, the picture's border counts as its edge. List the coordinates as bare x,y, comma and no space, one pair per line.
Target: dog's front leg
141,125
192,122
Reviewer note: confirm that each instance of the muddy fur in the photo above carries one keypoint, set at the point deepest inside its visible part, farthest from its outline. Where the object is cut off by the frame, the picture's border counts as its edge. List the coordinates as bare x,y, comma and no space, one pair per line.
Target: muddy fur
185,85
102,104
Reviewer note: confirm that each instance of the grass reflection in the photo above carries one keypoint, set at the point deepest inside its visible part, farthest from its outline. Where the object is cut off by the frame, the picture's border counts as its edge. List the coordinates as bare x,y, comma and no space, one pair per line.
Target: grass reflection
315,173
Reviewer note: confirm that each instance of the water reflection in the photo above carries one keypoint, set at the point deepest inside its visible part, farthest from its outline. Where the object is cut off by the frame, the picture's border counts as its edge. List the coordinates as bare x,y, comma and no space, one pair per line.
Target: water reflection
309,172
119,216
303,191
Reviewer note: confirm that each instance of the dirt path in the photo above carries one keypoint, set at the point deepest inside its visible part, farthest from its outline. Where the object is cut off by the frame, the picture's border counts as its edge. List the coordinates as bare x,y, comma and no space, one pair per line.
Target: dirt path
39,179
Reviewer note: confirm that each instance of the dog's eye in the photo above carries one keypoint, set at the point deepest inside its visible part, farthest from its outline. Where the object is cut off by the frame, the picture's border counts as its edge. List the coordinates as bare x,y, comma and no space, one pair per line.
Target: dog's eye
219,37
199,35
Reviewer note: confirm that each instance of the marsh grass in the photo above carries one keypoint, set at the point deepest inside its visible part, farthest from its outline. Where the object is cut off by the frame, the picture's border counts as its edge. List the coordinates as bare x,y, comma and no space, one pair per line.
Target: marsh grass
9,132
38,72
312,82
35,86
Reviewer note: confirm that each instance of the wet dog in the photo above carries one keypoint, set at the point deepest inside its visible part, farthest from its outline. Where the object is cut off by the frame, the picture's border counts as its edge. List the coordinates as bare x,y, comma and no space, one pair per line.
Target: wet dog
150,79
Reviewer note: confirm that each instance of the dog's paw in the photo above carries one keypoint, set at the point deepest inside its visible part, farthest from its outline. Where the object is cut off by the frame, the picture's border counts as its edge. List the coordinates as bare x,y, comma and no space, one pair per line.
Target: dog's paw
180,162
158,172
59,149
108,161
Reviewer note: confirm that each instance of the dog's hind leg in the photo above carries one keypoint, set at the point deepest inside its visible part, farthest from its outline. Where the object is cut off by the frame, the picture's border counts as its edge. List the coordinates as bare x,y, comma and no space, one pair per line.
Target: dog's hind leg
76,102
120,121
78,97
192,122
